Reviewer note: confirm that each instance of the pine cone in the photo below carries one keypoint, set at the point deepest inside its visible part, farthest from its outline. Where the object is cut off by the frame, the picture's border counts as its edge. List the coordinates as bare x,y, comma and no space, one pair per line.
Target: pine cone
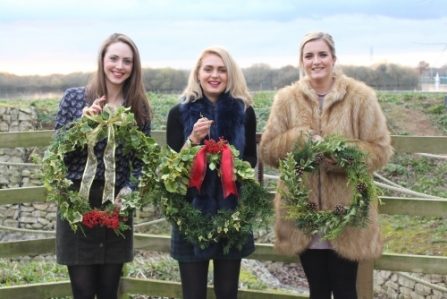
311,206
299,170
361,187
340,210
349,160
319,158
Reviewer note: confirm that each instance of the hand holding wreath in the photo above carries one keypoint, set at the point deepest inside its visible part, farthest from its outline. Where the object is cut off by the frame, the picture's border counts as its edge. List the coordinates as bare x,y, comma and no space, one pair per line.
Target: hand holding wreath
304,160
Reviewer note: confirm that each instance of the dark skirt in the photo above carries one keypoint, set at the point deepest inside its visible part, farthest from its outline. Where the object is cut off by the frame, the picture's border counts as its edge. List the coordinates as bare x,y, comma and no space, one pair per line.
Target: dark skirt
97,245
183,251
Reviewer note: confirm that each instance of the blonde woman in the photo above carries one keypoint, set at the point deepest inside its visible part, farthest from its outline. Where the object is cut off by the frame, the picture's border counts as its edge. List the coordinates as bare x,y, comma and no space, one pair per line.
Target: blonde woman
324,102
215,103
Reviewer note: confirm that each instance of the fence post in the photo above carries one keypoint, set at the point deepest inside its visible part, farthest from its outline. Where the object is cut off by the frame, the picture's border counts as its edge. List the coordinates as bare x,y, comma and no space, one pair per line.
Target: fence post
365,280
124,272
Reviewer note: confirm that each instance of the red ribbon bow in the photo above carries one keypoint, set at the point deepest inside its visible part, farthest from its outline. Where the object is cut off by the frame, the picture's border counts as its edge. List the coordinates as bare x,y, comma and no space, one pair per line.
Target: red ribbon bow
200,164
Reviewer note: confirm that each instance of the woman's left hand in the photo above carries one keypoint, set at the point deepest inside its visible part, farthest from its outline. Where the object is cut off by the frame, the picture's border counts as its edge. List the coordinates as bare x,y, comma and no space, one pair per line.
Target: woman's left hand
330,160
123,192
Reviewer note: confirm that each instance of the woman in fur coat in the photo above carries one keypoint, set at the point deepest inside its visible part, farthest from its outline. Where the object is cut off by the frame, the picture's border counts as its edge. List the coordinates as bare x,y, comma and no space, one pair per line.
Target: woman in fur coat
215,104
325,102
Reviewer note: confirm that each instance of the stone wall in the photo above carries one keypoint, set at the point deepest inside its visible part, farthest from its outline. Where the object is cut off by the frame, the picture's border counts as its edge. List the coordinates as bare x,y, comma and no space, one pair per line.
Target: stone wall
14,175
398,285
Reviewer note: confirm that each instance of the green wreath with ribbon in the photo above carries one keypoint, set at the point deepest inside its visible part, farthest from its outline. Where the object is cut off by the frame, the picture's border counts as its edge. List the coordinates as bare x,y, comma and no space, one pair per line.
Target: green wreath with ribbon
119,127
179,171
305,159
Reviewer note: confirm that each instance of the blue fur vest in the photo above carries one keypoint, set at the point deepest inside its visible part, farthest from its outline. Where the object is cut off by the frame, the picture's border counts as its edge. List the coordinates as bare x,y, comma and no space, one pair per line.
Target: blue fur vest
229,122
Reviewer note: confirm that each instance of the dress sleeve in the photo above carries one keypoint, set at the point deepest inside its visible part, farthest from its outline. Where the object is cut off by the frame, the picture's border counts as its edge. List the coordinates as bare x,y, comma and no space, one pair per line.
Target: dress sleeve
64,114
174,129
250,150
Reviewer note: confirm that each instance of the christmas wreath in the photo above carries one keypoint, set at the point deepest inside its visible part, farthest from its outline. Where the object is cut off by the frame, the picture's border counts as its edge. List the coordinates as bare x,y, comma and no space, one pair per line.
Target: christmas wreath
305,159
119,127
183,170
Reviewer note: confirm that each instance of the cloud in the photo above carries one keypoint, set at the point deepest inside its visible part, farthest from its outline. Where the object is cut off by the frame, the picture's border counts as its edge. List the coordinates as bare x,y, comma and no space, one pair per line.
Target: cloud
229,10
63,42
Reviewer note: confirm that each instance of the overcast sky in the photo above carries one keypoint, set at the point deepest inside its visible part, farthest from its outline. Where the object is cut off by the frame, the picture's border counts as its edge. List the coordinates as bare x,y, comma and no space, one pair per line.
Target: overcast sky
63,36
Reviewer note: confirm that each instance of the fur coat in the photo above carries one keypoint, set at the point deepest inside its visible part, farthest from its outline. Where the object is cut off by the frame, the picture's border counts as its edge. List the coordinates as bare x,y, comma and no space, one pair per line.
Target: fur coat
350,108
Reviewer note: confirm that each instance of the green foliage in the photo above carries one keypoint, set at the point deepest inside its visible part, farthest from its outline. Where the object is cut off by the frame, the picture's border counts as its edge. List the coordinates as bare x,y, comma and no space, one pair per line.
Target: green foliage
263,102
117,124
162,267
407,96
418,173
303,160
18,273
161,104
414,234
253,209
437,109
421,96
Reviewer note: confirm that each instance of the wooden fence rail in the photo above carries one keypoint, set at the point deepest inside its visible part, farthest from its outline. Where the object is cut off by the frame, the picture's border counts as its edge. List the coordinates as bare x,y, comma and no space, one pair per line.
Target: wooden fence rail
392,206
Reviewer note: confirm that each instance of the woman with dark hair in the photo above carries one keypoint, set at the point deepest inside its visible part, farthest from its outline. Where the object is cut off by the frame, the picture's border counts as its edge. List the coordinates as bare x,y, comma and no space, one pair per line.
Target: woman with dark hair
321,103
216,103
95,256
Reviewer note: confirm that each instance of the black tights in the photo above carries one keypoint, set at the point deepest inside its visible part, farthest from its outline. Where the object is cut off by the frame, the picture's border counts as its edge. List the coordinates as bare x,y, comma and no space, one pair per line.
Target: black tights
90,280
195,276
328,273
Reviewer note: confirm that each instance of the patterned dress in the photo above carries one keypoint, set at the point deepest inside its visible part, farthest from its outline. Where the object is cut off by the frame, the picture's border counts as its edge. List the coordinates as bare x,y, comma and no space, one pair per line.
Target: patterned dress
98,245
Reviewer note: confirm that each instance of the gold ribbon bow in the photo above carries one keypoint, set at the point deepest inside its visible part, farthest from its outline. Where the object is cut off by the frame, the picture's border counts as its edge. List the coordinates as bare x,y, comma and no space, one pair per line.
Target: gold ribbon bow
109,118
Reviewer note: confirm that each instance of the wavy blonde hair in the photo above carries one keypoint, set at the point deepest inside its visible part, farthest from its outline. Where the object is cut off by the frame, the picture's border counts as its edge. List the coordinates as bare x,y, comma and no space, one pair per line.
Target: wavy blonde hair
317,35
236,85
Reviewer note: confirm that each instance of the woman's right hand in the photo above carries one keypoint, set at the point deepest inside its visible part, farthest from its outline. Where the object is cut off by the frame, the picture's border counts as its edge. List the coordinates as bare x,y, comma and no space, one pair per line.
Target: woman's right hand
330,160
200,130
317,138
95,108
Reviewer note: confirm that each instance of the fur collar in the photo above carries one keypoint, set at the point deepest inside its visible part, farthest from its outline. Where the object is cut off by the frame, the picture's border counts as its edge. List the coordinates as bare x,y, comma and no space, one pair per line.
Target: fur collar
337,92
228,115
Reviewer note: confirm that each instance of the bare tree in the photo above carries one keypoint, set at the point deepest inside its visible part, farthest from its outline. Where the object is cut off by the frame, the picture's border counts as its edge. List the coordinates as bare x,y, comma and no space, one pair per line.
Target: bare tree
423,67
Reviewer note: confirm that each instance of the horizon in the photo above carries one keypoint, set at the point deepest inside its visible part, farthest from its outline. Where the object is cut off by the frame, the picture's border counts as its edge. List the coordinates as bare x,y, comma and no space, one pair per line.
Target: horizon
372,65
60,37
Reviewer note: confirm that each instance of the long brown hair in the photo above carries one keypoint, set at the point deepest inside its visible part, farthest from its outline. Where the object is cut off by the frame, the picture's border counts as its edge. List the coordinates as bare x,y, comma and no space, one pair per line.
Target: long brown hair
133,89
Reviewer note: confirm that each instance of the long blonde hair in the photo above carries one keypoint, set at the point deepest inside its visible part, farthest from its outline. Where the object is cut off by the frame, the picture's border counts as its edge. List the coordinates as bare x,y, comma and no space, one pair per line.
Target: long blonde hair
236,86
133,89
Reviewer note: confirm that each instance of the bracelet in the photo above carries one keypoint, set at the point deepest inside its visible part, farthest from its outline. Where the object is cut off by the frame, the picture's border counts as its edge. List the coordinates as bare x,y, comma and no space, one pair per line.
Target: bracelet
190,142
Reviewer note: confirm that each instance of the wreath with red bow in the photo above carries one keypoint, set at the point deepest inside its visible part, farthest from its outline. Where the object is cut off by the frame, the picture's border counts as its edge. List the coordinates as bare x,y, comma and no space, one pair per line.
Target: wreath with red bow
186,169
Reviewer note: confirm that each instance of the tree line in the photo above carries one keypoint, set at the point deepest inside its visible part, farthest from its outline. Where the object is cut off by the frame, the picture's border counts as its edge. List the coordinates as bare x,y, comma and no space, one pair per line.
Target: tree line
383,76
